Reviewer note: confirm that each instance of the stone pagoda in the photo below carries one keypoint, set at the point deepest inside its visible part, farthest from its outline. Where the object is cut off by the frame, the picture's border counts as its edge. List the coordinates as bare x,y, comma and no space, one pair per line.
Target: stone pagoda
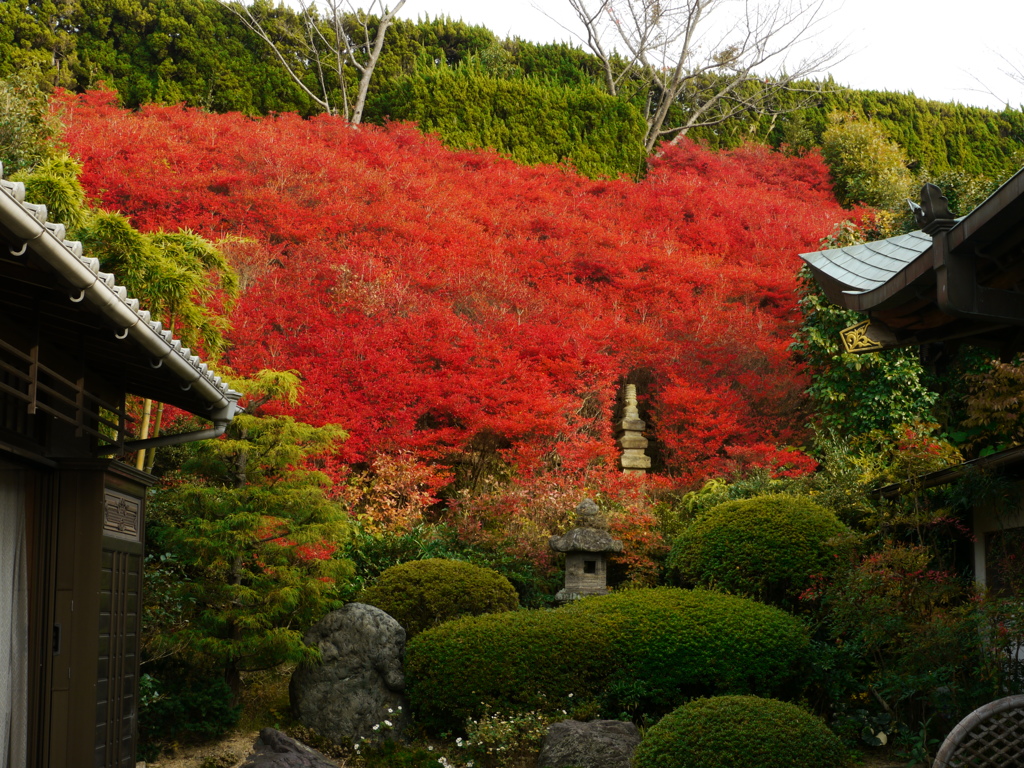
586,549
631,436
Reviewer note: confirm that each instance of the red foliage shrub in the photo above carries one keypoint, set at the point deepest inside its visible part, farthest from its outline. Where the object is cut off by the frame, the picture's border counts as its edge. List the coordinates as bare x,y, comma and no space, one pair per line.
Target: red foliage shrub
429,295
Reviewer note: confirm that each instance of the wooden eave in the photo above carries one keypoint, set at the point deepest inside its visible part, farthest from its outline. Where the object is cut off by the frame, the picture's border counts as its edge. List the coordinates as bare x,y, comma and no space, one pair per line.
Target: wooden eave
1010,460
52,290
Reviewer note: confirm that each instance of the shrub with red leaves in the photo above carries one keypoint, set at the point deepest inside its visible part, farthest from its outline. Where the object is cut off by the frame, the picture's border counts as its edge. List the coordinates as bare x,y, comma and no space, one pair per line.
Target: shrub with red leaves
430,296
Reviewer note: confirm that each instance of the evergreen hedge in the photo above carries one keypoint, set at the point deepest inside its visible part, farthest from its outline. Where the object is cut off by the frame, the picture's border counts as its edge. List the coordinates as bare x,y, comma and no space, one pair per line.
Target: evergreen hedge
740,732
639,652
529,119
421,594
767,547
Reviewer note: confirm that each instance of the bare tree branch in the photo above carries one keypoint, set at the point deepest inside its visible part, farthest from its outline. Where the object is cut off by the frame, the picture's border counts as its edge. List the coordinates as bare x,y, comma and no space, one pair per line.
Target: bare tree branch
1015,71
338,38
696,55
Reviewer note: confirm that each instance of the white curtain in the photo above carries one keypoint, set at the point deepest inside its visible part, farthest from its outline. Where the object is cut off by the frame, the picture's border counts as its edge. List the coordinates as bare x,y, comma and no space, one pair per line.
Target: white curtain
13,619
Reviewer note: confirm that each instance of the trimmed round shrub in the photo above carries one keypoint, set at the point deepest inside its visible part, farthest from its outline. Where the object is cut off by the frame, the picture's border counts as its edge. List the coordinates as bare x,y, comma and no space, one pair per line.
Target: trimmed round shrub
767,547
740,732
421,594
639,652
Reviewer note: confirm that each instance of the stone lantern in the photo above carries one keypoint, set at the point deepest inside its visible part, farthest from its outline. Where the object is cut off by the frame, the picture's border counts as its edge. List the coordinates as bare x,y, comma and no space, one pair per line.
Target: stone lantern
586,551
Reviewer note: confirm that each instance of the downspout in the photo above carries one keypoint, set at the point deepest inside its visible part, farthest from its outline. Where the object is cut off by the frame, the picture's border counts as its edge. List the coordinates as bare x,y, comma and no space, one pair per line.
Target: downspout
221,418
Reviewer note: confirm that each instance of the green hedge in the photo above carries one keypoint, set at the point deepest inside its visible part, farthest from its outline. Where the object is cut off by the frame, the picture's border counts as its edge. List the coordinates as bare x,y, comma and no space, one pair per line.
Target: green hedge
640,652
740,732
767,547
530,120
421,594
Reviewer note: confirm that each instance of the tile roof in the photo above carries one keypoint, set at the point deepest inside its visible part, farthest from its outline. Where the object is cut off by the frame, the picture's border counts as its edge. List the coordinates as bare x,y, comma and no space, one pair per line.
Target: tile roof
864,267
196,388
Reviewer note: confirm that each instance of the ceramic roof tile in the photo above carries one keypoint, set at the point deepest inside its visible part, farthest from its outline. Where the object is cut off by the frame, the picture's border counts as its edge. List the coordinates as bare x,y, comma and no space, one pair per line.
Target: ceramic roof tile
71,259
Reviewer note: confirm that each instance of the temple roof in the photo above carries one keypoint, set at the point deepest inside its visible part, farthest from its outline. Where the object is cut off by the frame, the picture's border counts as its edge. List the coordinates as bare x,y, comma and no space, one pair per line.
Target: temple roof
952,279
862,268
50,284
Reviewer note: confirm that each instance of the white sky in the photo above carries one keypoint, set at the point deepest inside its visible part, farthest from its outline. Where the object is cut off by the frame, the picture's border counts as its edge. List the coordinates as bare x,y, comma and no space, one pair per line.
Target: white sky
944,50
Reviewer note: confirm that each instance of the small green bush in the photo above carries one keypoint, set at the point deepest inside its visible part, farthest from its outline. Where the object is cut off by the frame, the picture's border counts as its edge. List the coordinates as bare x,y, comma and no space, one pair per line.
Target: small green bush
740,732
639,652
867,166
766,547
421,594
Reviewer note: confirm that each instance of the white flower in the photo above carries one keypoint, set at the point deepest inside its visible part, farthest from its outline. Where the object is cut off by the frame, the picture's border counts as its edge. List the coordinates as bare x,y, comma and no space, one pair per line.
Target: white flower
570,695
391,711
458,742
376,727
430,748
387,723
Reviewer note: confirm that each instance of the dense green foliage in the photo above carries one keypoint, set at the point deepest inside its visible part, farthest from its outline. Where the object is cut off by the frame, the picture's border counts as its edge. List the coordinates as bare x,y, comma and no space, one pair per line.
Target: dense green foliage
192,51
767,547
37,41
740,732
372,554
937,137
854,394
26,129
530,120
641,652
182,703
244,542
904,631
866,166
199,52
424,593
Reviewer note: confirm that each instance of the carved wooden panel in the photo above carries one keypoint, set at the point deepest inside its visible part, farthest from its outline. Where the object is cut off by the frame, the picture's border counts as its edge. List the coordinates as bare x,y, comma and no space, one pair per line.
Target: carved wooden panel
122,516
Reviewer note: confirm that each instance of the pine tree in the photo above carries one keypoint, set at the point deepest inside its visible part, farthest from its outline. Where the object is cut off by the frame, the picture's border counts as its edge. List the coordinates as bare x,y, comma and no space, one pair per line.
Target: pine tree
249,528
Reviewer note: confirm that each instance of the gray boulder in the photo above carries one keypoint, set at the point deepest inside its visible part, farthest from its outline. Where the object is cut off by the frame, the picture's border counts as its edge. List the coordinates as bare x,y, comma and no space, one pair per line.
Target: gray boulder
595,744
275,750
360,682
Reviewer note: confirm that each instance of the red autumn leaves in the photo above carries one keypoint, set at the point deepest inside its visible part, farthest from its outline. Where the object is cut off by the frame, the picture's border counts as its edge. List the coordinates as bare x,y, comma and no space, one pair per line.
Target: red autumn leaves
429,297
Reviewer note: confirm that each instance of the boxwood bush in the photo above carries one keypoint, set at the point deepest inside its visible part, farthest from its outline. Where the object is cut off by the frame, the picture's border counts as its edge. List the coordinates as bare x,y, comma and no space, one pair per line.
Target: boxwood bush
740,732
639,652
424,593
766,547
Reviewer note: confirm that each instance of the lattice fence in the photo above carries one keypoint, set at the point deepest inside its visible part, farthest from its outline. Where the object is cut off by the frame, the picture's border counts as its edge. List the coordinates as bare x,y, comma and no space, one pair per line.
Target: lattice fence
990,737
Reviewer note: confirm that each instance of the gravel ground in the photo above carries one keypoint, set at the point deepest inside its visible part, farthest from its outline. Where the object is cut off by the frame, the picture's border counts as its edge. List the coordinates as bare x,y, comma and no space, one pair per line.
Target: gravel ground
229,752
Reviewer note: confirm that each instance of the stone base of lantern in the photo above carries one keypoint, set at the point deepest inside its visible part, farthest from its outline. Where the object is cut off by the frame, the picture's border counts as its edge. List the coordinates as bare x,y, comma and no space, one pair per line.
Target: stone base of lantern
564,595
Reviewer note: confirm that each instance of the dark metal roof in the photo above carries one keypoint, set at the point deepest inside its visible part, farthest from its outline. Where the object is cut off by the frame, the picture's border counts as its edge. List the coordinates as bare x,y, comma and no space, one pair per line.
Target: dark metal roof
861,268
953,279
49,281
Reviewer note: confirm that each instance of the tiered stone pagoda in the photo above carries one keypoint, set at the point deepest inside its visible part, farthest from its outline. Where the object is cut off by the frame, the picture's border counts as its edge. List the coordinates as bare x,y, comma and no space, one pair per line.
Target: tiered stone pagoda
631,436
586,549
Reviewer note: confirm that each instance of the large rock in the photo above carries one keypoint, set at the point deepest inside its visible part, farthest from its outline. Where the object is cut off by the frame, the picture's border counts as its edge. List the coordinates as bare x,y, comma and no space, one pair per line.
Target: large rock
596,744
360,682
275,750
